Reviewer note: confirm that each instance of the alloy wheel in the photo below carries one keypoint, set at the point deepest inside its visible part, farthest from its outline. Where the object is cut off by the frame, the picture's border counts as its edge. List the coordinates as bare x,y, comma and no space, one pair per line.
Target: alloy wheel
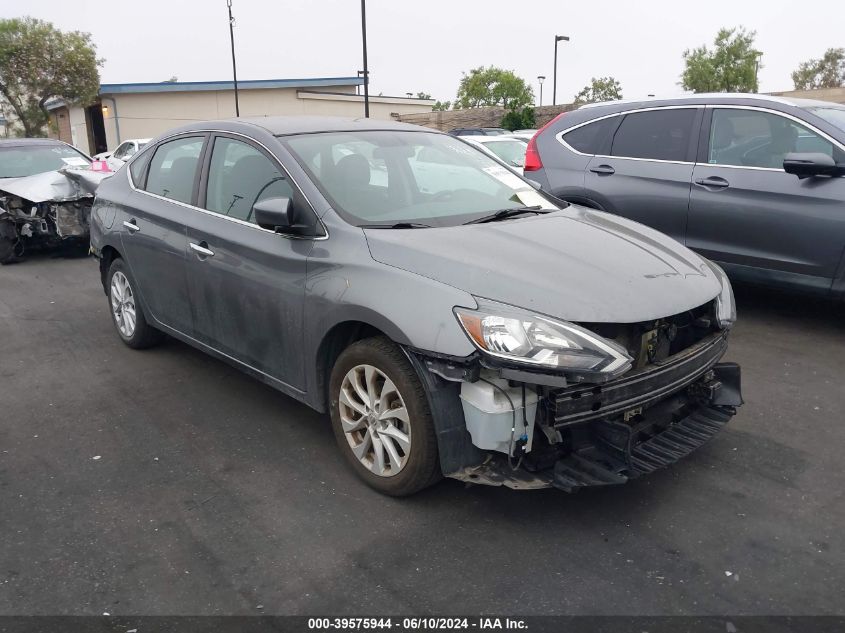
375,420
123,304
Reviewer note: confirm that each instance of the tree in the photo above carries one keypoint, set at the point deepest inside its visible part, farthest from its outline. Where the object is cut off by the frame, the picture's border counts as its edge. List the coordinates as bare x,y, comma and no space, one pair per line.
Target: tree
493,87
38,62
441,106
519,119
423,95
730,67
601,89
827,72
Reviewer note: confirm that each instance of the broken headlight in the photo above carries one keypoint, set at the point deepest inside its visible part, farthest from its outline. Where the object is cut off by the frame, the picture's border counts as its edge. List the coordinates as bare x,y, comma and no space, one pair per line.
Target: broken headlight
513,334
725,304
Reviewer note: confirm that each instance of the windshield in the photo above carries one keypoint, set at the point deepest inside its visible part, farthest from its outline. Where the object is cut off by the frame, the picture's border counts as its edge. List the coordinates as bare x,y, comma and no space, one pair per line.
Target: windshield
834,116
387,177
28,160
510,151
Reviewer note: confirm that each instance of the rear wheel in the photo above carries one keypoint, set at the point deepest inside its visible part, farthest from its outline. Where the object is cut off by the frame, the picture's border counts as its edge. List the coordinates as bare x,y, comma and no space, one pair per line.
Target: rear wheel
127,315
381,419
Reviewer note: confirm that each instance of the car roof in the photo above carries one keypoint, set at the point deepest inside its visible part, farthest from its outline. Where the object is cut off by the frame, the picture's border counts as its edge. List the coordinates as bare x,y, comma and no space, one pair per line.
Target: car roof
458,129
494,139
708,97
284,125
22,142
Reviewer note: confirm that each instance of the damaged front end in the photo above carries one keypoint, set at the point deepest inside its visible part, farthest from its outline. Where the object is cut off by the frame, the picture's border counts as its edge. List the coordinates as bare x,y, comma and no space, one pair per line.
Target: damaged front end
526,427
50,210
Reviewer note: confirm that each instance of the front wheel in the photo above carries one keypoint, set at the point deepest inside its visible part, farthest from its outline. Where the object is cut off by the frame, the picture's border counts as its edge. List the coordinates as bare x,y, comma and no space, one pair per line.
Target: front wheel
381,418
127,315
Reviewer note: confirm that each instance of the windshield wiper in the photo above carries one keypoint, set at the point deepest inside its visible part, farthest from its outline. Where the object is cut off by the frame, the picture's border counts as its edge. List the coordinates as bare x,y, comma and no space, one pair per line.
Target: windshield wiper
398,225
503,214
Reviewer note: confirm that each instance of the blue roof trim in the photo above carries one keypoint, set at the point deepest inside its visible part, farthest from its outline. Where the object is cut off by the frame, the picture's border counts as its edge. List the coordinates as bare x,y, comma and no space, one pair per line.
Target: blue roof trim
254,84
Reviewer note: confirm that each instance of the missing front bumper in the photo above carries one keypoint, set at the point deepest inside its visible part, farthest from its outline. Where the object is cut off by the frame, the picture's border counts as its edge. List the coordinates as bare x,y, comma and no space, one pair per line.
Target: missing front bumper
609,451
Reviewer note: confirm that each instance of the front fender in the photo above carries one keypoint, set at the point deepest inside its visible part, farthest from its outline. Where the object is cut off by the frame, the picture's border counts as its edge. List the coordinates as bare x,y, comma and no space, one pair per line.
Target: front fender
344,284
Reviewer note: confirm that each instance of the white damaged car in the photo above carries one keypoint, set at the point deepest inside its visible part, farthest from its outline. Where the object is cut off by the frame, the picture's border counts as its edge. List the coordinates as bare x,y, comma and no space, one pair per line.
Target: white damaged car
46,191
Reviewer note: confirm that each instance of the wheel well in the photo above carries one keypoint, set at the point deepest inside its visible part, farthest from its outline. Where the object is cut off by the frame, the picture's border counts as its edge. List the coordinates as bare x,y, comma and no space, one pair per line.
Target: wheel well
592,204
107,255
334,342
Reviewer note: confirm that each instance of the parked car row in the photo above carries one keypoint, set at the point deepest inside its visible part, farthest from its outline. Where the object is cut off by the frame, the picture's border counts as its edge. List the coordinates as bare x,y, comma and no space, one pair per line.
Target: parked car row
753,182
453,319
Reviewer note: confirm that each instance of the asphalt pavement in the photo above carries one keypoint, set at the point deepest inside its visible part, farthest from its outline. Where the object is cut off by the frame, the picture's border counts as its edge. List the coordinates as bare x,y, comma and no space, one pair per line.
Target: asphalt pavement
166,482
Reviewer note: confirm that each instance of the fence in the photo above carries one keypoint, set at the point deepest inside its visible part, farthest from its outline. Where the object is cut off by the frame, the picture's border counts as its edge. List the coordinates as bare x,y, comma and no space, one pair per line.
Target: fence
477,117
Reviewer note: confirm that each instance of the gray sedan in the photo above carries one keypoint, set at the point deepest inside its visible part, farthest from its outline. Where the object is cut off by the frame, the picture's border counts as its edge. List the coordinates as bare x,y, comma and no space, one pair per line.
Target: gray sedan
452,319
751,181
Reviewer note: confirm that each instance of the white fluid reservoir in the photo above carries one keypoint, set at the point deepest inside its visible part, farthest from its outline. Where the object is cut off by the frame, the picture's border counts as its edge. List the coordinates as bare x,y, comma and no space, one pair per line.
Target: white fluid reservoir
492,410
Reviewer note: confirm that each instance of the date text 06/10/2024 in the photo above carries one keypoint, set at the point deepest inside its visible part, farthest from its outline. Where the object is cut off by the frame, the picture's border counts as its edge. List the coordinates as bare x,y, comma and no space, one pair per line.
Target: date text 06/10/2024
415,624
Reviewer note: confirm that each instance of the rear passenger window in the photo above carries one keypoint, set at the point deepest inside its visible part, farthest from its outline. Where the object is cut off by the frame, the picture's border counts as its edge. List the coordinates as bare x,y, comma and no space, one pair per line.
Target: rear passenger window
591,138
239,176
656,134
174,167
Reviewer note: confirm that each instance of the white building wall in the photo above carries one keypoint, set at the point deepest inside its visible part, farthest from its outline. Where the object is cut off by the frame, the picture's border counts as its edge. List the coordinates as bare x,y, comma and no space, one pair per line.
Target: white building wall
79,130
143,115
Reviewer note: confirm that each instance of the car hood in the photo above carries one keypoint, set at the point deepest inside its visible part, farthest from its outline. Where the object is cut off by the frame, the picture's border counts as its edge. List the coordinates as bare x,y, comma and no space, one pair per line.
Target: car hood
54,186
576,264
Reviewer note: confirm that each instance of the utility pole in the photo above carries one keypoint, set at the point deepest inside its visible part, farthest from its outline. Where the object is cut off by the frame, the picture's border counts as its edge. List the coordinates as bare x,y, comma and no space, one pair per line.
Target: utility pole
234,66
558,38
366,71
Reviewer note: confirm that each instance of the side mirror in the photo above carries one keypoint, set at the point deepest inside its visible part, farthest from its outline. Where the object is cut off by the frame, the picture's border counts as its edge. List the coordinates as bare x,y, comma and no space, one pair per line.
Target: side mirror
274,214
807,165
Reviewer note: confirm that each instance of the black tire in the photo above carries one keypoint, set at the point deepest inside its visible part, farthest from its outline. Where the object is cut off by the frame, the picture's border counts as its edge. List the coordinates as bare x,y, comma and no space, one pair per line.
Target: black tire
7,251
422,467
143,335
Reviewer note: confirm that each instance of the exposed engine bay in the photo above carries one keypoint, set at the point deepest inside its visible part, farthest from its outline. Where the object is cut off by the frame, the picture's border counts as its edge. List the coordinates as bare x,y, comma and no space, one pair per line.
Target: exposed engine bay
51,210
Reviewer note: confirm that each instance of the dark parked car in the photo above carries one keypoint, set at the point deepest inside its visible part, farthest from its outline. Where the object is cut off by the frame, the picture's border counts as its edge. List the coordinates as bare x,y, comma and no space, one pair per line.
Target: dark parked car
454,320
478,131
753,182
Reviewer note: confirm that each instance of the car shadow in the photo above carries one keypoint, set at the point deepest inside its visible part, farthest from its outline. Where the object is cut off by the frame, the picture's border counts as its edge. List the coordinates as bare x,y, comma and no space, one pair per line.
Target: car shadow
778,307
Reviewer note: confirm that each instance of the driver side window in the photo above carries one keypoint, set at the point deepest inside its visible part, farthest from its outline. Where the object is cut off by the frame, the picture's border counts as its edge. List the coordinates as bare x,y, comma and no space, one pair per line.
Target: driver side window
239,176
751,138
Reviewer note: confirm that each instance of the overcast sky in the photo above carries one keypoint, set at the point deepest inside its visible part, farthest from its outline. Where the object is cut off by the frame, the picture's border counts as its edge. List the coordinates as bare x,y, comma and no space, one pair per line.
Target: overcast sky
425,45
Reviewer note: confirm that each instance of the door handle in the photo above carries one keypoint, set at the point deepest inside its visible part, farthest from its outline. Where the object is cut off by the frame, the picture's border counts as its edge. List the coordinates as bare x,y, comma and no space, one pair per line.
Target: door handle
606,170
712,182
132,226
202,249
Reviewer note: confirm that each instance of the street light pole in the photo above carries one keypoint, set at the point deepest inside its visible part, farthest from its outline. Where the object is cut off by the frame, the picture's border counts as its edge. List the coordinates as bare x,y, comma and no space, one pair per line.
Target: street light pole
234,66
558,38
540,78
366,71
